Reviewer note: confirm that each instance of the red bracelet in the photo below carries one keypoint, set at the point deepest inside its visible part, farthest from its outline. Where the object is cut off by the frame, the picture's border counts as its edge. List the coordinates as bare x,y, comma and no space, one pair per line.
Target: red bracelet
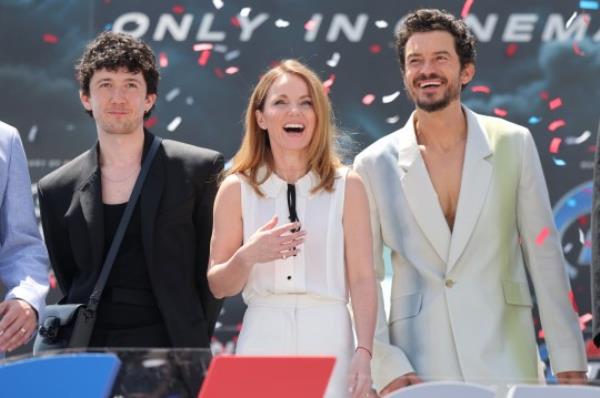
360,347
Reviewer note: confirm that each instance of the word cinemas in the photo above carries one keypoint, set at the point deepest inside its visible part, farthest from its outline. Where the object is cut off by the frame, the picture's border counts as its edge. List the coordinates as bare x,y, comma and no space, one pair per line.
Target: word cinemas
516,27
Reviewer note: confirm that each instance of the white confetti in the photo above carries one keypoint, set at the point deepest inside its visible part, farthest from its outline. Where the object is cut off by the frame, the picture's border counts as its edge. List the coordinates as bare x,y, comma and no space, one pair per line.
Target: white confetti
220,48
567,248
245,12
172,94
581,237
202,46
393,119
282,23
333,61
32,133
189,100
174,124
381,24
218,4
232,55
570,20
578,140
386,99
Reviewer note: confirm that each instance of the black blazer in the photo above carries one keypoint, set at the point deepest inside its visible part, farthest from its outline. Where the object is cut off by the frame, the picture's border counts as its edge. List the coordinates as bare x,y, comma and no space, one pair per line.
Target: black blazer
176,220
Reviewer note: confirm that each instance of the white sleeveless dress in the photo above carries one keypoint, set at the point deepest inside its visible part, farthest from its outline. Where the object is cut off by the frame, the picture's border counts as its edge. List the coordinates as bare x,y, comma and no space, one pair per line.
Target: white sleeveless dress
298,306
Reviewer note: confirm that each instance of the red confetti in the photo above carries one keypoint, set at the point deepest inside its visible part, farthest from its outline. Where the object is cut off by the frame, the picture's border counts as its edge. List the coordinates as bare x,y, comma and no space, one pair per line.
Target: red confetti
177,9
542,236
310,24
500,112
163,61
204,56
544,95
232,70
481,89
219,73
151,122
555,144
52,280
511,49
466,8
375,49
555,125
583,220
328,83
555,103
50,38
368,99
235,21
577,50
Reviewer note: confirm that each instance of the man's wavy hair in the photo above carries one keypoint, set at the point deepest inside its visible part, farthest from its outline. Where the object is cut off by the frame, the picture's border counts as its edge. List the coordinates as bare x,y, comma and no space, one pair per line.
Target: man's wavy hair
113,51
428,20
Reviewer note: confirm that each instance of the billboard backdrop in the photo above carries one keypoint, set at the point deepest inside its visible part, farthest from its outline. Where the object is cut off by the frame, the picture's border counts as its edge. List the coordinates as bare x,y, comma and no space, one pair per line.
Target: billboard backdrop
538,65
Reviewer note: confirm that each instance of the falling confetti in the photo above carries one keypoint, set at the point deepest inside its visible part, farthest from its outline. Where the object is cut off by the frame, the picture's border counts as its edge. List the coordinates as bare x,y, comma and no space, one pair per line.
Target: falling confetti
32,133
386,99
219,73
328,83
570,20
393,119
204,56
542,236
282,23
581,236
230,56
235,21
555,103
500,112
555,125
310,24
220,48
189,101
333,61
534,120
368,99
466,8
232,70
375,48
559,162
151,122
555,144
568,247
174,124
163,61
577,50
544,95
481,89
177,9
202,46
511,49
588,5
381,24
578,140
245,12
50,38
172,94
218,4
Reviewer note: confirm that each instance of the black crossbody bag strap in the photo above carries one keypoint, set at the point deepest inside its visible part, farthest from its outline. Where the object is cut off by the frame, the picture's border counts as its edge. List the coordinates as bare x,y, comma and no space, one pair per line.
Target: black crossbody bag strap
120,233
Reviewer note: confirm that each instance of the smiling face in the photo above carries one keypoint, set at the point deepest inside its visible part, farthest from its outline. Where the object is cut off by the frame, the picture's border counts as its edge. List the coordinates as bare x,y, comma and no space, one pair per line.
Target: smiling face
288,115
118,100
433,76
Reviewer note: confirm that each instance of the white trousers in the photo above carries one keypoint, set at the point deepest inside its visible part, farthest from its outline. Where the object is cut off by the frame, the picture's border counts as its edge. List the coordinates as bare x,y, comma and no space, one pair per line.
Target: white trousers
296,324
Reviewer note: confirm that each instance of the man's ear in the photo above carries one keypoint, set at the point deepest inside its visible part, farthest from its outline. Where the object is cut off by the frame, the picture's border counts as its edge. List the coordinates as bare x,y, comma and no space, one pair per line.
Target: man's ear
85,101
467,73
150,101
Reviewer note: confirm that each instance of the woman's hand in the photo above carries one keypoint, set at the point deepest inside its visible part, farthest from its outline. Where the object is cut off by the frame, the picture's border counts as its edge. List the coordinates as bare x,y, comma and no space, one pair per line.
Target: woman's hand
359,379
270,243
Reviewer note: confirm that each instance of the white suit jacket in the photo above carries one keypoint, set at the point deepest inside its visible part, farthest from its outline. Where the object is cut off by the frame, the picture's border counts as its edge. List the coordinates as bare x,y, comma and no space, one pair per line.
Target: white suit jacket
460,302
23,256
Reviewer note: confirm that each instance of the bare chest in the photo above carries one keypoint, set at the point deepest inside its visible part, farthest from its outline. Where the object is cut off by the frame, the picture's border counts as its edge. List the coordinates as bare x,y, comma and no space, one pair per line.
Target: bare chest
445,173
117,184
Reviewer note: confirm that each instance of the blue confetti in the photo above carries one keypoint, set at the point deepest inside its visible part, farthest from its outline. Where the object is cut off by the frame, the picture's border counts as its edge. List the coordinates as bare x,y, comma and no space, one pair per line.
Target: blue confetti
588,5
559,162
534,120
572,203
107,27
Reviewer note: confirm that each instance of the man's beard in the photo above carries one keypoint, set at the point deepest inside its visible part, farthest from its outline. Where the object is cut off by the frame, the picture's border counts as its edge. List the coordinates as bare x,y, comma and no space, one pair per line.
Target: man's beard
451,94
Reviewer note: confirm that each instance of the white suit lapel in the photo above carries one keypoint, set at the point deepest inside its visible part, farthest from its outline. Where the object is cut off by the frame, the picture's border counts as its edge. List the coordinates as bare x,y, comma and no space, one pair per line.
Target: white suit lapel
475,181
419,192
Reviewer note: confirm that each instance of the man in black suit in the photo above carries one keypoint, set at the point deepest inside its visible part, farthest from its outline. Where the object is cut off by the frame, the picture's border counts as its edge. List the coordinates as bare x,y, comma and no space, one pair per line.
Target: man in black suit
157,293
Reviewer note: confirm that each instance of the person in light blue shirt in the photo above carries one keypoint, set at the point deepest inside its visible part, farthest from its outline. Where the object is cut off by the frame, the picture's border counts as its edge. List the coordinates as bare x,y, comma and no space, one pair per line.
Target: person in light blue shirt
23,256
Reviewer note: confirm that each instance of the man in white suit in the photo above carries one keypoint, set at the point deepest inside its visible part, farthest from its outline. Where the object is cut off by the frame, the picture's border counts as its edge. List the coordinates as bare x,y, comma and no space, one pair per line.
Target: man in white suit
461,201
23,256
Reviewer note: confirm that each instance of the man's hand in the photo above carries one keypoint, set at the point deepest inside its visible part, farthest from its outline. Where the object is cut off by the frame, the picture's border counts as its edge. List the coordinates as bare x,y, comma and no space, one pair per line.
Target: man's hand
403,381
19,321
572,377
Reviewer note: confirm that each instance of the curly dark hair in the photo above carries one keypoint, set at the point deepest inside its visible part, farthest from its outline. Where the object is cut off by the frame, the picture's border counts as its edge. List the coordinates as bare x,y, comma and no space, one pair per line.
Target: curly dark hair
112,51
427,20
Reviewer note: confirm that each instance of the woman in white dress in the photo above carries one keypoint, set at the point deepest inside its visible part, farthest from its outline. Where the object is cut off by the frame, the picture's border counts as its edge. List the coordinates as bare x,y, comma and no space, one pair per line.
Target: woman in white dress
291,231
